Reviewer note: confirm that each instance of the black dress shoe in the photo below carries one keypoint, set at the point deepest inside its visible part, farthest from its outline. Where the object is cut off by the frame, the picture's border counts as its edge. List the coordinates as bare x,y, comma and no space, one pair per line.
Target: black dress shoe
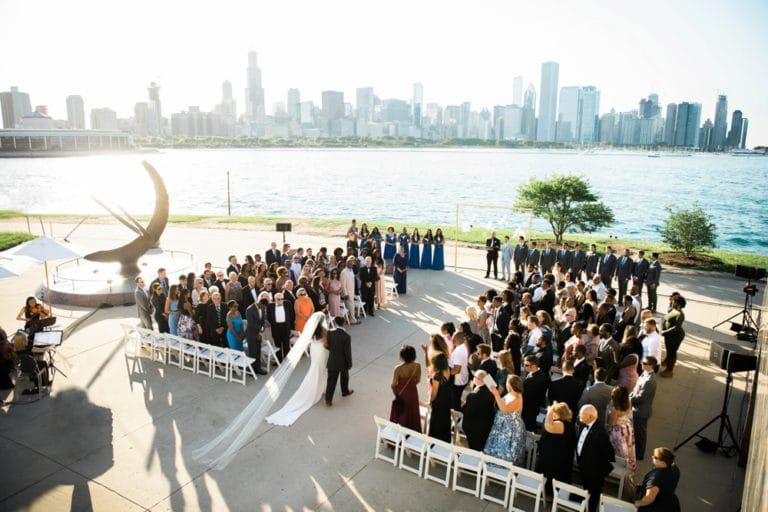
328,403
348,392
261,372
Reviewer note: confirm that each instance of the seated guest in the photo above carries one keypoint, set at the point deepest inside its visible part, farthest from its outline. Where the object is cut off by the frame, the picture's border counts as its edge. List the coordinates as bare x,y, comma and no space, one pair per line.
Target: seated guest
534,392
405,380
557,445
486,363
7,361
659,484
479,412
507,437
566,389
33,314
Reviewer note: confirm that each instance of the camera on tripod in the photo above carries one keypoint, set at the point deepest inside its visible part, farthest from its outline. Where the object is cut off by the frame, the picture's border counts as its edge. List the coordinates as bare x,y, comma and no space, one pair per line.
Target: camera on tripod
747,328
751,290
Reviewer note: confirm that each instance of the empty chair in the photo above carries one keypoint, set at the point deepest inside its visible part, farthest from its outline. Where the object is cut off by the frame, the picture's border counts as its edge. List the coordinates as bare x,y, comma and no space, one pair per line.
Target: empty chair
531,449
188,353
609,504
204,360
564,497
467,462
158,347
359,306
388,434
497,471
173,347
269,351
130,340
458,432
619,474
240,364
220,363
528,483
413,443
424,409
439,452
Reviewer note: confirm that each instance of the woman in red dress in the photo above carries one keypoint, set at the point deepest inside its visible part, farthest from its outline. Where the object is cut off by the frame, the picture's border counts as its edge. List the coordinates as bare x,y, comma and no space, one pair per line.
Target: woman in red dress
405,379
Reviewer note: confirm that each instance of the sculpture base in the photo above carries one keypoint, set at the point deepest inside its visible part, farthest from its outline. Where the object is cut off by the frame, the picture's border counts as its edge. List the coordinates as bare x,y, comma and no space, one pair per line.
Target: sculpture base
86,283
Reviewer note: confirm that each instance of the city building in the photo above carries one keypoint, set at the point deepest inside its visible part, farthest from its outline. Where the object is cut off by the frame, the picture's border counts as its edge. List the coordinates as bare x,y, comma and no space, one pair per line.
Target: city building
669,124
417,103
103,119
15,105
194,123
705,133
528,129
332,110
687,125
545,130
568,115
228,105
294,104
608,127
734,136
721,121
517,91
141,119
155,121
744,126
32,141
76,112
589,115
254,92
40,120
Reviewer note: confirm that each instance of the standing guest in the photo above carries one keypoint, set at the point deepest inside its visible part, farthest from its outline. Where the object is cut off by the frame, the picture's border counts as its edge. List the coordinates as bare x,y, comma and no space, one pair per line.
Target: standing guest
659,484
317,293
534,391
438,259
272,255
158,305
303,308
520,254
564,257
334,294
172,309
621,432
652,278
506,367
339,345
459,364
594,454
220,283
352,228
376,239
256,318
557,446
235,334
143,306
200,316
288,294
607,350
233,290
282,278
513,344
348,289
199,286
628,317
413,253
578,262
598,394
640,271
285,258
295,271
651,340
630,355
625,267
482,319
250,292
506,440
281,321
440,399
642,403
390,244
187,328
352,245
399,271
216,321
381,285
673,334
364,235
608,266
162,279
479,413
566,389
268,288
405,380
437,345
591,262
487,364
368,279
404,240
208,276
506,259
426,250
492,247
548,258
247,269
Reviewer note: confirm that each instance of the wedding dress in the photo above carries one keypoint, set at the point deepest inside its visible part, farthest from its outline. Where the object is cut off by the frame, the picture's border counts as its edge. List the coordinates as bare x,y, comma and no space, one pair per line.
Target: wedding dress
220,451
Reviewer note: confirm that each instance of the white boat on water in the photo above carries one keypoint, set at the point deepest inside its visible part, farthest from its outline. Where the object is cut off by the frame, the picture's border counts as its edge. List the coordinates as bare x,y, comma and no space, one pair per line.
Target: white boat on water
747,152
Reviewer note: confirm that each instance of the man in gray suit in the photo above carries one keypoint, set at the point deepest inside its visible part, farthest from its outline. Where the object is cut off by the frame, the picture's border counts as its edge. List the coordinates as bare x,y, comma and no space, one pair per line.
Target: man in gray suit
608,266
598,394
642,403
143,305
624,269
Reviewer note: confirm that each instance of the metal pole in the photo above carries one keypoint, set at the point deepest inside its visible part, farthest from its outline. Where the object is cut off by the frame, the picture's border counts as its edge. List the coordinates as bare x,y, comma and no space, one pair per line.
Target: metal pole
229,203
29,226
456,242
530,224
42,226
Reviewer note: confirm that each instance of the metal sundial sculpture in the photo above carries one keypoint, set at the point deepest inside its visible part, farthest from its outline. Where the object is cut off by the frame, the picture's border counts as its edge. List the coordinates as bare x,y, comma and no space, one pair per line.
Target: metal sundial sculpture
128,255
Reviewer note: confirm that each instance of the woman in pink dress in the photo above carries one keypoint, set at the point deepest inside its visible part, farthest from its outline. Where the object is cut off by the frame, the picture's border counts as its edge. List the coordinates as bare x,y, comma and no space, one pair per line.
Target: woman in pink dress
621,432
334,294
381,287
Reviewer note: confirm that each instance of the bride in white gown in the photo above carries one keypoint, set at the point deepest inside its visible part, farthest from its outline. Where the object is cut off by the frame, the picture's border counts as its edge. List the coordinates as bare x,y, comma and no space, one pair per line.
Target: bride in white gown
222,449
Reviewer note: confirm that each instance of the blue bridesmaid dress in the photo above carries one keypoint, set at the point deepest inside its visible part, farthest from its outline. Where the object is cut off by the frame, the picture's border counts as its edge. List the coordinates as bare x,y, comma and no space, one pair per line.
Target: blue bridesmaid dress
438,261
390,247
426,253
413,255
377,241
404,240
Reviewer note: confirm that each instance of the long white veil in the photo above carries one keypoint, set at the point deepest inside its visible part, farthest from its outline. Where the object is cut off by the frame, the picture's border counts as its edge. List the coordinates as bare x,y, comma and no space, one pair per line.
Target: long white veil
221,450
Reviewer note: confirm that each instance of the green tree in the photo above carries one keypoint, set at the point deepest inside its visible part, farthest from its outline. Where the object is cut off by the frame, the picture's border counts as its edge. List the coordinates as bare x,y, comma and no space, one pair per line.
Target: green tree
688,231
566,203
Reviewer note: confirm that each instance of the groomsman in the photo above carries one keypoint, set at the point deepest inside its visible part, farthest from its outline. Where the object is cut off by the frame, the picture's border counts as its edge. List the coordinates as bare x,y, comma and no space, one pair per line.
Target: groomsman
492,247
639,271
608,266
256,317
506,260
564,258
520,254
578,261
624,272
591,261
533,256
547,258
652,278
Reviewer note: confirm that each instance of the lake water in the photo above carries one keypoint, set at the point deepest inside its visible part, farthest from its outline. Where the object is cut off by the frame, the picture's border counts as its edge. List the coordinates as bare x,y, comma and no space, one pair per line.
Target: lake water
421,185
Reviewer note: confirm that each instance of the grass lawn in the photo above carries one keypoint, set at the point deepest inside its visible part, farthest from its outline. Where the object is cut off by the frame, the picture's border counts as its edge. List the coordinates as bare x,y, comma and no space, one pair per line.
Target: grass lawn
12,239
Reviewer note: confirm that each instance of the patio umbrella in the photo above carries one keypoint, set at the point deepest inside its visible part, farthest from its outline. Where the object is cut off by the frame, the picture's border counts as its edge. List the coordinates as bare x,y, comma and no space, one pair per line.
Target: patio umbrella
15,266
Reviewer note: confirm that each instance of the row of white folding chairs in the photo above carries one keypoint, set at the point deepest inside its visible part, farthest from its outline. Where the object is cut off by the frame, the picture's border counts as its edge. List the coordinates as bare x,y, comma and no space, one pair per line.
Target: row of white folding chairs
215,362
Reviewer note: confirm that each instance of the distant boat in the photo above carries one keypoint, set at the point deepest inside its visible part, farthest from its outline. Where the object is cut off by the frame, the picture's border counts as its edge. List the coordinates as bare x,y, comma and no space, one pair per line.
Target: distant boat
746,152
667,155
654,155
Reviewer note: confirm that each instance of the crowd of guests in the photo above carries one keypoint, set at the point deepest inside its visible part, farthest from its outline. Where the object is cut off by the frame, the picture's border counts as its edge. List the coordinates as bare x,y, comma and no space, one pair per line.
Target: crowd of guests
570,359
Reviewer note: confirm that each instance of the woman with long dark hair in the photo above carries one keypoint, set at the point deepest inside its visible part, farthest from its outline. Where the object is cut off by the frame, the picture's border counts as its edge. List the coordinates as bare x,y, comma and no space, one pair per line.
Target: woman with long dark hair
405,380
438,259
426,249
172,309
413,253
390,244
159,300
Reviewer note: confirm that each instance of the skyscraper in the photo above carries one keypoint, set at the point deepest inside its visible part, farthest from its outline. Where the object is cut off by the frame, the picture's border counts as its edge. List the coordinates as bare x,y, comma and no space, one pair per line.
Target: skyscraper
687,124
15,105
103,119
734,136
517,91
669,125
744,126
254,92
568,117
294,104
528,128
545,130
76,112
589,112
721,120
364,104
705,134
155,124
417,104
650,108
333,111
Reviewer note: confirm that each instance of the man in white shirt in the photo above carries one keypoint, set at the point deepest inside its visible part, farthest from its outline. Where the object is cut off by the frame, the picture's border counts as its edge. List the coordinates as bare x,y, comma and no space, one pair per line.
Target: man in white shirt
347,279
651,341
534,333
459,369
599,287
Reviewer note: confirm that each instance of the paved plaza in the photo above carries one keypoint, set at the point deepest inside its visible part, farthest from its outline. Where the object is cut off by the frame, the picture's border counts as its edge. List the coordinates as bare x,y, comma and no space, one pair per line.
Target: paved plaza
117,433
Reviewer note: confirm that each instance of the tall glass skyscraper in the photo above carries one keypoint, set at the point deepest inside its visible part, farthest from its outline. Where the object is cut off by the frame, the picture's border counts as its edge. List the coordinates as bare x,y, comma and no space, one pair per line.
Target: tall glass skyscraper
254,92
589,111
545,130
721,120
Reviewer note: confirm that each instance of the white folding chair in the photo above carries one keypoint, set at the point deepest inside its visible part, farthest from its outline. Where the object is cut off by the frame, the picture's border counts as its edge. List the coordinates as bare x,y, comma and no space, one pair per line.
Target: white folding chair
425,409
219,363
412,443
160,347
130,338
619,474
467,462
204,360
528,483
500,472
609,504
390,287
531,449
457,417
269,351
188,354
441,453
359,306
388,434
563,497
173,347
146,339
238,360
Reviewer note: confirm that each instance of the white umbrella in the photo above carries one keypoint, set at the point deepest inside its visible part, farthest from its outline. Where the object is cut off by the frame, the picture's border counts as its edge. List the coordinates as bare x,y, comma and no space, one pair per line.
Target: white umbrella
15,266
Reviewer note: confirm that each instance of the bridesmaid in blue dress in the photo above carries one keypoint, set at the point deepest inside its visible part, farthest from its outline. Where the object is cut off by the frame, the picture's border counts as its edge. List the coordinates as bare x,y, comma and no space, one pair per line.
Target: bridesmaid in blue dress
404,240
172,309
426,250
413,254
507,438
364,236
235,334
376,238
438,260
390,244
399,268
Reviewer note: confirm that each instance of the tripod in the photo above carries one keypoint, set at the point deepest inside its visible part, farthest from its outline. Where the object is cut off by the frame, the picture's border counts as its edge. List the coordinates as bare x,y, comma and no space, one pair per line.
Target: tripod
747,329
725,424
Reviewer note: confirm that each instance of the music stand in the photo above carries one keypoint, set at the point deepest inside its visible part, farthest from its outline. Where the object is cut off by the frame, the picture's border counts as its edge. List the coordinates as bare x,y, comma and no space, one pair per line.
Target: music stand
49,340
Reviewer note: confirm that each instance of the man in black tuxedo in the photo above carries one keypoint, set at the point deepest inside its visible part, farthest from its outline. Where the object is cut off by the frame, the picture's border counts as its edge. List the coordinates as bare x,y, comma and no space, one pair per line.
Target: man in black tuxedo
269,288
479,411
624,268
520,254
534,392
492,247
578,262
533,255
234,266
566,389
547,258
639,271
591,261
368,278
250,293
487,364
594,454
547,301
608,266
339,361
256,317
272,255
564,257
220,282
281,321
216,321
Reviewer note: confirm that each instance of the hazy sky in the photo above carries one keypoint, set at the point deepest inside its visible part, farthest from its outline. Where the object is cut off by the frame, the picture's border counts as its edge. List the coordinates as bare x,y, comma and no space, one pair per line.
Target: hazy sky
461,51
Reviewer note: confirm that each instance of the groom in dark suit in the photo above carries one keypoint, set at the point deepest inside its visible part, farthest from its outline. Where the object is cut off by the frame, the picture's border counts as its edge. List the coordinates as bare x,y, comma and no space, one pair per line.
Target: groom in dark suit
256,317
594,454
339,361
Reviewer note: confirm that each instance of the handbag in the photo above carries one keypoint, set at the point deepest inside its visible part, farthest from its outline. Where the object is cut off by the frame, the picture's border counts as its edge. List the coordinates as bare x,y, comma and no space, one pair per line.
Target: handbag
398,404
